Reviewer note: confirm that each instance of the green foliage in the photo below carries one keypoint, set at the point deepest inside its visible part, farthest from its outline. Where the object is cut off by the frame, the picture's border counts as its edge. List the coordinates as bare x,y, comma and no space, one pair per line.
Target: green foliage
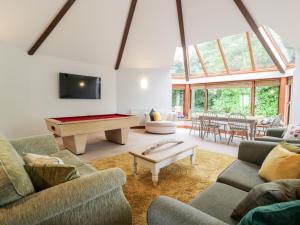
178,67
177,99
195,67
229,100
236,52
212,57
261,57
266,101
198,98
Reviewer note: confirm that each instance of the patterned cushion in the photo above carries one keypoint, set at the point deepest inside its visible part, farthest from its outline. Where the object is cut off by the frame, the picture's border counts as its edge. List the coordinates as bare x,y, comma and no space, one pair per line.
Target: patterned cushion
14,181
292,132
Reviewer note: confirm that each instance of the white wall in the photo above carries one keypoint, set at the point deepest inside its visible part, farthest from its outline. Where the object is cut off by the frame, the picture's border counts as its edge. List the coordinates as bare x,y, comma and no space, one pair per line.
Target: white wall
29,91
131,95
295,101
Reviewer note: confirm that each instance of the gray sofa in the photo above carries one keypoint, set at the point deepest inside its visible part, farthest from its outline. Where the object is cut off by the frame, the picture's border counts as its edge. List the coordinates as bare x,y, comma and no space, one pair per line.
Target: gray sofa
276,135
94,198
215,205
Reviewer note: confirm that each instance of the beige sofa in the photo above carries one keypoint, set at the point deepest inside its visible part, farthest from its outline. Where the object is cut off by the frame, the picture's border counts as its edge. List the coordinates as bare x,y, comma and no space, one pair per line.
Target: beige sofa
167,124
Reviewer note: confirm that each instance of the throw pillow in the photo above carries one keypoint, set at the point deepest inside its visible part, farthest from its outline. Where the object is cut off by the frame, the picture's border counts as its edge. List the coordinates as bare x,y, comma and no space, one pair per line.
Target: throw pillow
41,159
275,214
151,114
49,175
14,181
291,148
292,132
280,163
156,116
266,194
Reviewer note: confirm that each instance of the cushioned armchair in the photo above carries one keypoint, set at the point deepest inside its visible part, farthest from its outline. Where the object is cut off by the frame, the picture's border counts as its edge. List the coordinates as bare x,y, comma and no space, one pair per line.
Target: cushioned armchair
94,198
276,135
214,205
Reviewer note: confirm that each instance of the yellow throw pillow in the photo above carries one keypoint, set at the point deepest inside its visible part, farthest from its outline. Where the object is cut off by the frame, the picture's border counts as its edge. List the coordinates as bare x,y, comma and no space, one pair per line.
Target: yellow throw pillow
280,164
156,116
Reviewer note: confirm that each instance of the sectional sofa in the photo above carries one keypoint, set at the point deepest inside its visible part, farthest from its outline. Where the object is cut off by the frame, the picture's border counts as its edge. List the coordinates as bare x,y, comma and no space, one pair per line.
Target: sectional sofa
215,205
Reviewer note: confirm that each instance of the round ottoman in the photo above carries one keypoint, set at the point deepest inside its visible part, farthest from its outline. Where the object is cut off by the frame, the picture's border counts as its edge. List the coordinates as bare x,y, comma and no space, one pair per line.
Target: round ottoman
161,127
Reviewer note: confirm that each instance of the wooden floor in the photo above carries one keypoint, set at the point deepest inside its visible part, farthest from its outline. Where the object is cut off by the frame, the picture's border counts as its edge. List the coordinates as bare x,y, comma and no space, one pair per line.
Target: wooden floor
97,146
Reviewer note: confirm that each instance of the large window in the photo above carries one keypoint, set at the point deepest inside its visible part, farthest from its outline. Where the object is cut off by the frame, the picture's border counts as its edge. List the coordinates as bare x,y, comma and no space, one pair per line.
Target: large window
287,50
261,57
178,67
197,100
212,57
230,100
266,100
236,52
195,66
177,100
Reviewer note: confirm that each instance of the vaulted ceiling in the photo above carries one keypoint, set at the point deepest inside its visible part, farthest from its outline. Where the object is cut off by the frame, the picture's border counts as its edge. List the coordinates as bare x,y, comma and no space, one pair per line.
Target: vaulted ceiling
91,31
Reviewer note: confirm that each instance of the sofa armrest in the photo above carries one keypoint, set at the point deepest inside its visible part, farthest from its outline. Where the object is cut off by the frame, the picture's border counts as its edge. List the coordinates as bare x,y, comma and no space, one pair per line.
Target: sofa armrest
56,200
275,132
168,211
255,151
43,144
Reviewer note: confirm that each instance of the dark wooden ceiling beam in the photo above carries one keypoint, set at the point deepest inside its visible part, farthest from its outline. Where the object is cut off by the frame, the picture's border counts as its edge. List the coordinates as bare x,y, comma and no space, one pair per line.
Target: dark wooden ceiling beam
51,26
125,33
259,35
182,37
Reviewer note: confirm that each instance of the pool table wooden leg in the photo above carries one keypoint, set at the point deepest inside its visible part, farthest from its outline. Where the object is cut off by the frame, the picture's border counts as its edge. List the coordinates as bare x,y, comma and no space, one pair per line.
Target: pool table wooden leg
75,143
119,136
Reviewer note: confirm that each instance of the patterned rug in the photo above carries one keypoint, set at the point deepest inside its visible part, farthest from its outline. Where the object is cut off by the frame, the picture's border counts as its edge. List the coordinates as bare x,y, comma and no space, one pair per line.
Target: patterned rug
181,180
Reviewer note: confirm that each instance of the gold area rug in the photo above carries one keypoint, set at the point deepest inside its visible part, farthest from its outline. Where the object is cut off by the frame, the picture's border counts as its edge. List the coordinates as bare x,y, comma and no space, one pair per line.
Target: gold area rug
181,180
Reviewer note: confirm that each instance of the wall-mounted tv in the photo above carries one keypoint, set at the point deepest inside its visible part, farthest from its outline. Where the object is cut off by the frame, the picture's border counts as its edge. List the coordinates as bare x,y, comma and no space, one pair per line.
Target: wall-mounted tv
79,87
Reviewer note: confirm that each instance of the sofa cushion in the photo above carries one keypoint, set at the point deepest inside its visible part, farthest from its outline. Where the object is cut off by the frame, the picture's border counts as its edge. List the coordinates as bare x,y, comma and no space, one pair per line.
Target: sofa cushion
218,201
14,181
242,175
151,114
266,194
44,176
280,164
41,159
275,214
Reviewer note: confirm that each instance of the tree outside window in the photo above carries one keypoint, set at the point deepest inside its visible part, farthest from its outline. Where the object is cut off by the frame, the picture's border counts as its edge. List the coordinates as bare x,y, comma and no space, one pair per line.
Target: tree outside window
177,100
197,100
266,100
230,100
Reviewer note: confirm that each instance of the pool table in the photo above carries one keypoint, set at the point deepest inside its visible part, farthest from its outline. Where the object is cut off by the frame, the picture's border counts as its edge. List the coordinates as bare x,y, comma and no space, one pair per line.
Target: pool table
74,130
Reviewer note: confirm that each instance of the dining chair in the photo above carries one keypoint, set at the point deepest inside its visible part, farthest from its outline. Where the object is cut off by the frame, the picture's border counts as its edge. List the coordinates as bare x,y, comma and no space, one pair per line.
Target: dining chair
237,126
209,124
196,122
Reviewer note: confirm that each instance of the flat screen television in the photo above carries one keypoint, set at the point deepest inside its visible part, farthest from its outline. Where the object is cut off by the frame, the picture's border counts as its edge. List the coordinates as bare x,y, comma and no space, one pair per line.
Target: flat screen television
79,87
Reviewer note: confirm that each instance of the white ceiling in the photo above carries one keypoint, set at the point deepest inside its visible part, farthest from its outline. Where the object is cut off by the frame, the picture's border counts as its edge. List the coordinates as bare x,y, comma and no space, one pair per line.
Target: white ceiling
91,31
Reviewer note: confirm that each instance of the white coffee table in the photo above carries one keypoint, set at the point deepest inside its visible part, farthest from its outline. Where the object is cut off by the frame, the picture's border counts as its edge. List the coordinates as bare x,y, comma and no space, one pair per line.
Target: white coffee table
161,154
